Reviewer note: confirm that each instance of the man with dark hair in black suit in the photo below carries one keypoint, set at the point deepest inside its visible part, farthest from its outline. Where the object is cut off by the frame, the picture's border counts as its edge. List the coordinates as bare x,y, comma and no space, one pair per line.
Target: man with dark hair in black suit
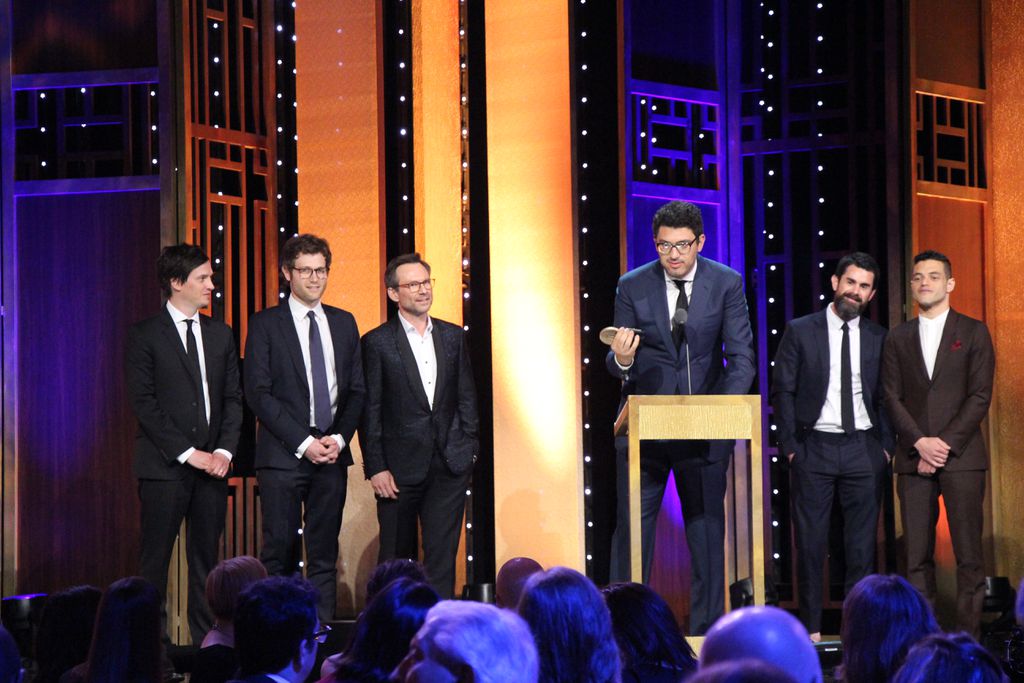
692,314
419,433
277,631
827,398
304,382
182,375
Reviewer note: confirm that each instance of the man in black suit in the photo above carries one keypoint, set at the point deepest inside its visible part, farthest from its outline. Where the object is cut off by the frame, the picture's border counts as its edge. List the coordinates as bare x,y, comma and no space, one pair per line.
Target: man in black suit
692,315
419,433
304,382
827,398
182,375
277,631
938,371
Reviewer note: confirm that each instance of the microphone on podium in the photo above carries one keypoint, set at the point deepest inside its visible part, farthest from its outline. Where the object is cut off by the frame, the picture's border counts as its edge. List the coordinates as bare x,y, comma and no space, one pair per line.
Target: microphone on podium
679,319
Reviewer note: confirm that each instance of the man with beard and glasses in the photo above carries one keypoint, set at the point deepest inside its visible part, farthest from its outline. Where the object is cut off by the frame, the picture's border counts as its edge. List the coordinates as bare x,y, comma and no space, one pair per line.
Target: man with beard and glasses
827,398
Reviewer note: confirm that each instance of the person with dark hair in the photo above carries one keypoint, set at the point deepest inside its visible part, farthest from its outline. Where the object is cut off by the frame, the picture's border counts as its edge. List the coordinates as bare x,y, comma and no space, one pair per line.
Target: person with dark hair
651,646
382,634
571,626
512,578
938,371
65,631
470,642
277,630
683,329
883,616
827,396
949,658
216,660
10,659
304,382
182,376
419,431
386,572
126,640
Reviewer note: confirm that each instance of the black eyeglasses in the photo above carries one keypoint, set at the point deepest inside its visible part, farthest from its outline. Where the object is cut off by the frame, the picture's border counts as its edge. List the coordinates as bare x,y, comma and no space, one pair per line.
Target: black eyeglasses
682,247
306,273
415,287
320,635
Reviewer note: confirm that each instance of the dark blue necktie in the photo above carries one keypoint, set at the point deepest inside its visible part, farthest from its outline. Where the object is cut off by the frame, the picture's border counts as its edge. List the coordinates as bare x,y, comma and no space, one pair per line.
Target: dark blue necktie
321,394
192,349
846,384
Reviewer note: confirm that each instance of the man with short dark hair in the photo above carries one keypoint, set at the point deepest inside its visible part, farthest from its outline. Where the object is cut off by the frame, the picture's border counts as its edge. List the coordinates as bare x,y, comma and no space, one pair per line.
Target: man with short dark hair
304,382
827,397
419,434
181,370
938,372
277,630
696,339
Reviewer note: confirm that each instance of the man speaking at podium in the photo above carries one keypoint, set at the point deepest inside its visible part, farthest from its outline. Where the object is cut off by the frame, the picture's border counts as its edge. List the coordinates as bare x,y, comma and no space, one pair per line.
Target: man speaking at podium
679,318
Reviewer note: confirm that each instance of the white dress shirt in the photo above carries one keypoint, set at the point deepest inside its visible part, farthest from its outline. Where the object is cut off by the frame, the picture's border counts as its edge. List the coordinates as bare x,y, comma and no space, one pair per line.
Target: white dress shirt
181,326
300,316
930,330
831,418
672,290
423,351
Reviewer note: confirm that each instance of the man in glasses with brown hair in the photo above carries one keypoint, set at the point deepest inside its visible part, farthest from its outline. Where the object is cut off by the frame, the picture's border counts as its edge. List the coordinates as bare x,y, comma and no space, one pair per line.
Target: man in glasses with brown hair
683,329
419,431
304,381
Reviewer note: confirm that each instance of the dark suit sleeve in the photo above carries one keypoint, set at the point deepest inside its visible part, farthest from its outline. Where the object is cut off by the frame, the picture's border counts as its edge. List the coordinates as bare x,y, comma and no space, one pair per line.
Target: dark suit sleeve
259,388
371,429
140,377
981,369
624,317
467,414
347,419
231,409
737,341
785,378
892,392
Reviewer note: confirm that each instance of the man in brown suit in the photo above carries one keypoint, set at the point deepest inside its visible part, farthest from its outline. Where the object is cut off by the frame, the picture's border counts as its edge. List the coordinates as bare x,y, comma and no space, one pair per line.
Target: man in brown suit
937,374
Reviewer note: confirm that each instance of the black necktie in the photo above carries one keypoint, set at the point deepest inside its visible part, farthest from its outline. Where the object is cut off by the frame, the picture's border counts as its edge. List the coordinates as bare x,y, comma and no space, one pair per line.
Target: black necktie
682,303
846,384
321,393
192,349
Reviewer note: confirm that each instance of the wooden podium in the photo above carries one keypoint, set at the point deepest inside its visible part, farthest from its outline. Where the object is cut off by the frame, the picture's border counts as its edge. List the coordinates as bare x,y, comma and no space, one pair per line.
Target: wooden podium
703,417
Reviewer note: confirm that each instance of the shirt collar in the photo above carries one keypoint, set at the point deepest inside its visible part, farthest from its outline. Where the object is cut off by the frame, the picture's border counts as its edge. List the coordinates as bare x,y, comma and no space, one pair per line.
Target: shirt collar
937,321
669,280
300,310
836,323
410,328
179,317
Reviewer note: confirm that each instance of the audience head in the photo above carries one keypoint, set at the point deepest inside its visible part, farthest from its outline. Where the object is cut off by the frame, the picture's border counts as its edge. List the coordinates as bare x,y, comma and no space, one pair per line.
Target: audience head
276,628
470,642
949,658
385,629
226,582
765,633
386,572
741,671
513,575
645,629
65,631
10,658
126,640
571,626
883,616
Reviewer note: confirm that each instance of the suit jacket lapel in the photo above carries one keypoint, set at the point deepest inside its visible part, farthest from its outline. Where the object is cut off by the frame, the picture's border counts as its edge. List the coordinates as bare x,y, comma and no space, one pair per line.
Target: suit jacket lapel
945,343
821,342
412,373
291,337
656,299
700,293
915,352
174,339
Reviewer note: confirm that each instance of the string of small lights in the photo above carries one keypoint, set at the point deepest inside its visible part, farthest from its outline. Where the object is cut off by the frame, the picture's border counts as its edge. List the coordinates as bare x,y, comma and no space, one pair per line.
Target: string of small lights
400,233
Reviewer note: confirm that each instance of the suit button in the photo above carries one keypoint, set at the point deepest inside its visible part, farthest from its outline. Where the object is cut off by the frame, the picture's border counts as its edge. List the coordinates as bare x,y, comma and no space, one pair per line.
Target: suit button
193,404
193,430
